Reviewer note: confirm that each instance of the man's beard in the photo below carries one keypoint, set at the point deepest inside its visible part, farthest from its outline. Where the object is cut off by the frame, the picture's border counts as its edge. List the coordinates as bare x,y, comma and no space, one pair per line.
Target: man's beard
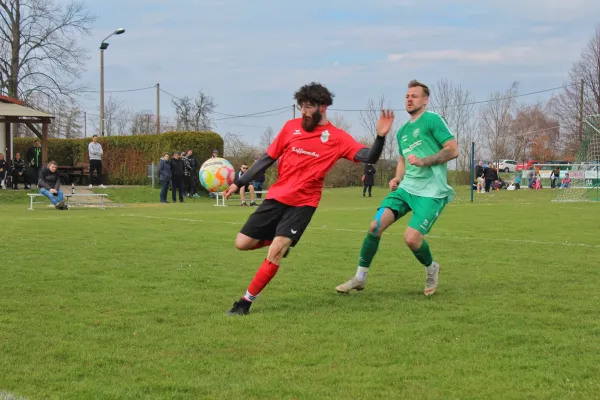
310,123
415,110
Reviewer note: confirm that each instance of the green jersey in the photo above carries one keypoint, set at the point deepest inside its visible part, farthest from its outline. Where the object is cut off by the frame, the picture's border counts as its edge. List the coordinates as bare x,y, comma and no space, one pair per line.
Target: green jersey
425,137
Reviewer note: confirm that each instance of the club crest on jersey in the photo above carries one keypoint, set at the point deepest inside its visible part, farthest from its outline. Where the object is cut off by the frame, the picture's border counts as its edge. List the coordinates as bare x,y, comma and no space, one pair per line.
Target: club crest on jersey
325,136
416,132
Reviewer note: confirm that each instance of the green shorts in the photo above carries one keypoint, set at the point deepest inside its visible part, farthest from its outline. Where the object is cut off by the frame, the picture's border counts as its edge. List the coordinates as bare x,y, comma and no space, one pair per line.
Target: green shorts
426,210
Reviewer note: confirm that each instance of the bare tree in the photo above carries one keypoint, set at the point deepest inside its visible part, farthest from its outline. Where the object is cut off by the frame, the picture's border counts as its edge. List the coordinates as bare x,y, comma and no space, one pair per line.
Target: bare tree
534,134
495,121
143,123
567,106
267,138
194,114
117,118
368,119
455,104
38,47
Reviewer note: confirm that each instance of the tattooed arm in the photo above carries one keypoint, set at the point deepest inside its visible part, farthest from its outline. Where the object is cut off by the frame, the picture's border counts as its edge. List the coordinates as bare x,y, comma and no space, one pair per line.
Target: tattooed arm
449,152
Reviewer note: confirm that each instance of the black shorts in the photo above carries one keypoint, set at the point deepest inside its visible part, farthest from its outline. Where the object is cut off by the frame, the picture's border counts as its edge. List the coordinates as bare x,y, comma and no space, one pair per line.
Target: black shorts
246,189
273,218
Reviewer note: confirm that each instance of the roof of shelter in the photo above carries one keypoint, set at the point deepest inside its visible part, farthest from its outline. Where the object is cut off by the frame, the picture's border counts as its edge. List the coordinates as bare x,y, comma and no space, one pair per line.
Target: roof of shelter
16,110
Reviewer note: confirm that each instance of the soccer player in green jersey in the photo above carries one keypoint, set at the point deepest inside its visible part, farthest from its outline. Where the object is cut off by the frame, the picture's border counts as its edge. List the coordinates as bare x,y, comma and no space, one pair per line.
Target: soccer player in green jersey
420,186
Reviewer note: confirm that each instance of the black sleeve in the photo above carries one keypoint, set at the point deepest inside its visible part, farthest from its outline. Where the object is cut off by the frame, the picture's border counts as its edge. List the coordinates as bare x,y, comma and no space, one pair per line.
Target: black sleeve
259,165
370,156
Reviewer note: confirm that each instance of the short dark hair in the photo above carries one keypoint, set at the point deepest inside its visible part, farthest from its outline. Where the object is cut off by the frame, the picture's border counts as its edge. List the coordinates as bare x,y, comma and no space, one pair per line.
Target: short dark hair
52,163
37,141
416,83
314,93
94,136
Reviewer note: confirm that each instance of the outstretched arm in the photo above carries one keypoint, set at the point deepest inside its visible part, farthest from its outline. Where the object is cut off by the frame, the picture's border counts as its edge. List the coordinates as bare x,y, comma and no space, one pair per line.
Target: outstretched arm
371,156
260,165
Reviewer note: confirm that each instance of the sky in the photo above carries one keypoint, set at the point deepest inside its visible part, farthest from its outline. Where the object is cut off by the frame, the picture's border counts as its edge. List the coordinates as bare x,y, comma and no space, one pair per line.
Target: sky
251,56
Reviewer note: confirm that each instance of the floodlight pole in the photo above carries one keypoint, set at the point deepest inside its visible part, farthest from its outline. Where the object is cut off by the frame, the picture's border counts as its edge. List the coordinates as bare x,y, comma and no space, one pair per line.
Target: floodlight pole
104,46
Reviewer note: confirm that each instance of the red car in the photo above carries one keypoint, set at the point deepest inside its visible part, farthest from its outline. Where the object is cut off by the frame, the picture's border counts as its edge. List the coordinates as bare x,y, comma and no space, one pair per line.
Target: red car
527,165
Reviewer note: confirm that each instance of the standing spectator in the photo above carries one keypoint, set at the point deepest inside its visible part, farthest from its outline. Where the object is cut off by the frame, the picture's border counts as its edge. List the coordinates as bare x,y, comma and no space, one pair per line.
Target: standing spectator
554,176
95,152
479,176
186,173
368,178
49,184
490,176
164,177
259,182
194,164
34,161
531,177
3,171
518,177
177,175
18,172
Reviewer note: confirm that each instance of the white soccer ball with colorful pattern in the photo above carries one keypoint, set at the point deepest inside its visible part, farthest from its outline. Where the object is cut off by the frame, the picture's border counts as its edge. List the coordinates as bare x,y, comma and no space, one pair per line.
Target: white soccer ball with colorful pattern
216,174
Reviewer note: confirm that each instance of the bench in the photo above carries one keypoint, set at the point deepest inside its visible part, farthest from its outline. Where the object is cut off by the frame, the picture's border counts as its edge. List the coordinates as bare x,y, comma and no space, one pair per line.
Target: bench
221,199
67,200
80,171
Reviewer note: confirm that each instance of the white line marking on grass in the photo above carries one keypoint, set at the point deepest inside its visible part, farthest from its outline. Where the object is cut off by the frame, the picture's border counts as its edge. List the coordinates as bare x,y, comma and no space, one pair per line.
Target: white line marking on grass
364,231
10,396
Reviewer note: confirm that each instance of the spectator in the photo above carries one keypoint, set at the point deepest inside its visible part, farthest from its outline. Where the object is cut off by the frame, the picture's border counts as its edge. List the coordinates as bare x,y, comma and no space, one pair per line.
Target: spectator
34,161
215,153
479,176
259,181
177,176
247,188
3,171
531,177
164,177
518,177
95,152
554,176
194,173
566,182
18,172
368,178
490,176
187,172
49,185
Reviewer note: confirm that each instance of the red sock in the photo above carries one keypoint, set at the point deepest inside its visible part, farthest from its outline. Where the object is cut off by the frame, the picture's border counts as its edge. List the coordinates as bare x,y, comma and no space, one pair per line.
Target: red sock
261,244
263,276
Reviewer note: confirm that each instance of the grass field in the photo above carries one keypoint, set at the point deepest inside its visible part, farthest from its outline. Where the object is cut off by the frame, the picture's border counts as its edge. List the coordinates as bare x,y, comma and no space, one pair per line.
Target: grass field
130,303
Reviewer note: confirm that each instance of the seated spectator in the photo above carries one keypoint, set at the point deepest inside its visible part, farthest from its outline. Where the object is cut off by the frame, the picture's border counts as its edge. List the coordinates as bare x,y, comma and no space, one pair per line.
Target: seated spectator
18,172
49,185
3,171
566,182
249,187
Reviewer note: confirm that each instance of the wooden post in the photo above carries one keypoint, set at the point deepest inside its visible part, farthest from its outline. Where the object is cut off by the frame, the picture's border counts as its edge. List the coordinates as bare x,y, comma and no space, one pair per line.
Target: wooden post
8,136
45,142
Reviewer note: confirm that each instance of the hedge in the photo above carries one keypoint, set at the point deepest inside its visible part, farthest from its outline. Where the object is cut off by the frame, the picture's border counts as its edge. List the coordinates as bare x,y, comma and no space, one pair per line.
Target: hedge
126,158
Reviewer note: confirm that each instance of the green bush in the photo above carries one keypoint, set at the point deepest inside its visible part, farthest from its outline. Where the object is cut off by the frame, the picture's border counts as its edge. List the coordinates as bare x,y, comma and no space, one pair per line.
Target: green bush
126,158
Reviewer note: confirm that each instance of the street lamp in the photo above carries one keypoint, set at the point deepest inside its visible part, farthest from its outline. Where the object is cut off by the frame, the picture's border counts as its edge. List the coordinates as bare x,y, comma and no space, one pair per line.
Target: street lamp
104,46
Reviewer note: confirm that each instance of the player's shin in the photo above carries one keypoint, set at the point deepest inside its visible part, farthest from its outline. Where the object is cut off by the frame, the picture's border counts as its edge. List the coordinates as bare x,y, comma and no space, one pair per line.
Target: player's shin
263,276
423,254
367,253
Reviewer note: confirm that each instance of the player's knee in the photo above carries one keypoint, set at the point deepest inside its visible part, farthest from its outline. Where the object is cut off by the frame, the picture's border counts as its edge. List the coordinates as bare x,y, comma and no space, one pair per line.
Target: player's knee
243,242
413,239
375,228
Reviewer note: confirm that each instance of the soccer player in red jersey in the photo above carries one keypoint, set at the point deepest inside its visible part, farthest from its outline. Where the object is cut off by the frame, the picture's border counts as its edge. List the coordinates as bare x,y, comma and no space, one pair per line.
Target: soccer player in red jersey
307,148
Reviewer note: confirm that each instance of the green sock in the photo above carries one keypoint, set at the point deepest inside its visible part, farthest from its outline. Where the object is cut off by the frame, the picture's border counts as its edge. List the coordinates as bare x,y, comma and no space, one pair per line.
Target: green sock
424,255
368,250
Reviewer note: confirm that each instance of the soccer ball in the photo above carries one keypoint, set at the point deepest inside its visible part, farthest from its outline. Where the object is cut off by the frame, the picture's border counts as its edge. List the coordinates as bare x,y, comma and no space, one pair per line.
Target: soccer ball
216,174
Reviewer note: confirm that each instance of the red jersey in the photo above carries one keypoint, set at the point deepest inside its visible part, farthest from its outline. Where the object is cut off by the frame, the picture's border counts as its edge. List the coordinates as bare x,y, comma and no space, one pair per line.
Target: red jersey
304,160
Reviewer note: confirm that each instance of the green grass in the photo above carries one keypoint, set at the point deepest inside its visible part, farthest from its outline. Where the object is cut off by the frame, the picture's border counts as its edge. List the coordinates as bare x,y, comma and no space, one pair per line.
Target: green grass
130,303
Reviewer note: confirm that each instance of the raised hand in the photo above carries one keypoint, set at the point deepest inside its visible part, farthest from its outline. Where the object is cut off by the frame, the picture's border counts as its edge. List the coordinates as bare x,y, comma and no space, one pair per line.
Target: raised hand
385,122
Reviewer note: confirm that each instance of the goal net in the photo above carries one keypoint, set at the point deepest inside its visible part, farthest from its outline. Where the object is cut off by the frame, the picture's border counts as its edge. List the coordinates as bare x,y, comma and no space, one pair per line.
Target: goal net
584,174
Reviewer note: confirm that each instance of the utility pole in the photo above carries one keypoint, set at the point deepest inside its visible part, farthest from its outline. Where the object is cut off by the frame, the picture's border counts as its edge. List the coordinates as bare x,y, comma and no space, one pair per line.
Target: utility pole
85,124
294,110
158,108
581,113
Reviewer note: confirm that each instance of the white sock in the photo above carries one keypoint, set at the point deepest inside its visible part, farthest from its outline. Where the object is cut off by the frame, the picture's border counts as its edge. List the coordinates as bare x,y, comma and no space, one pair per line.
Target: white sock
249,297
361,273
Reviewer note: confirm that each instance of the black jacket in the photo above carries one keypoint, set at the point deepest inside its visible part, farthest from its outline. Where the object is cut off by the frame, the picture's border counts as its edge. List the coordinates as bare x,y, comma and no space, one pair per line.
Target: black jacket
479,171
18,165
48,179
177,168
490,174
193,162
369,173
34,156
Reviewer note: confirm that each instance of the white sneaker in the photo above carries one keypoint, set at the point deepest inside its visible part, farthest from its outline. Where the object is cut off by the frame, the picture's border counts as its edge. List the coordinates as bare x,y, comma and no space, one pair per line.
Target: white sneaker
352,284
431,281
90,186
102,187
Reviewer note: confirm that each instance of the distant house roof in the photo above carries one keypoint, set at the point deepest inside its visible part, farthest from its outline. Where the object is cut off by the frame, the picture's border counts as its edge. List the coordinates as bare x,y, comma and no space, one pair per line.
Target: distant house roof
9,109
6,99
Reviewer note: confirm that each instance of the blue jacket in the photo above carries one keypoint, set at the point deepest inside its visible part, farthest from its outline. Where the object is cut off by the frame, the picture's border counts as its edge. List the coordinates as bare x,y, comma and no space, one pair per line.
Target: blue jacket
164,171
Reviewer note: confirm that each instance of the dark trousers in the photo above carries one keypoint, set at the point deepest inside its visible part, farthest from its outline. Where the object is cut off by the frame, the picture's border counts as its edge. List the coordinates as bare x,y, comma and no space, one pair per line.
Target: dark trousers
177,184
186,184
164,188
34,175
488,184
367,187
16,178
258,186
95,165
